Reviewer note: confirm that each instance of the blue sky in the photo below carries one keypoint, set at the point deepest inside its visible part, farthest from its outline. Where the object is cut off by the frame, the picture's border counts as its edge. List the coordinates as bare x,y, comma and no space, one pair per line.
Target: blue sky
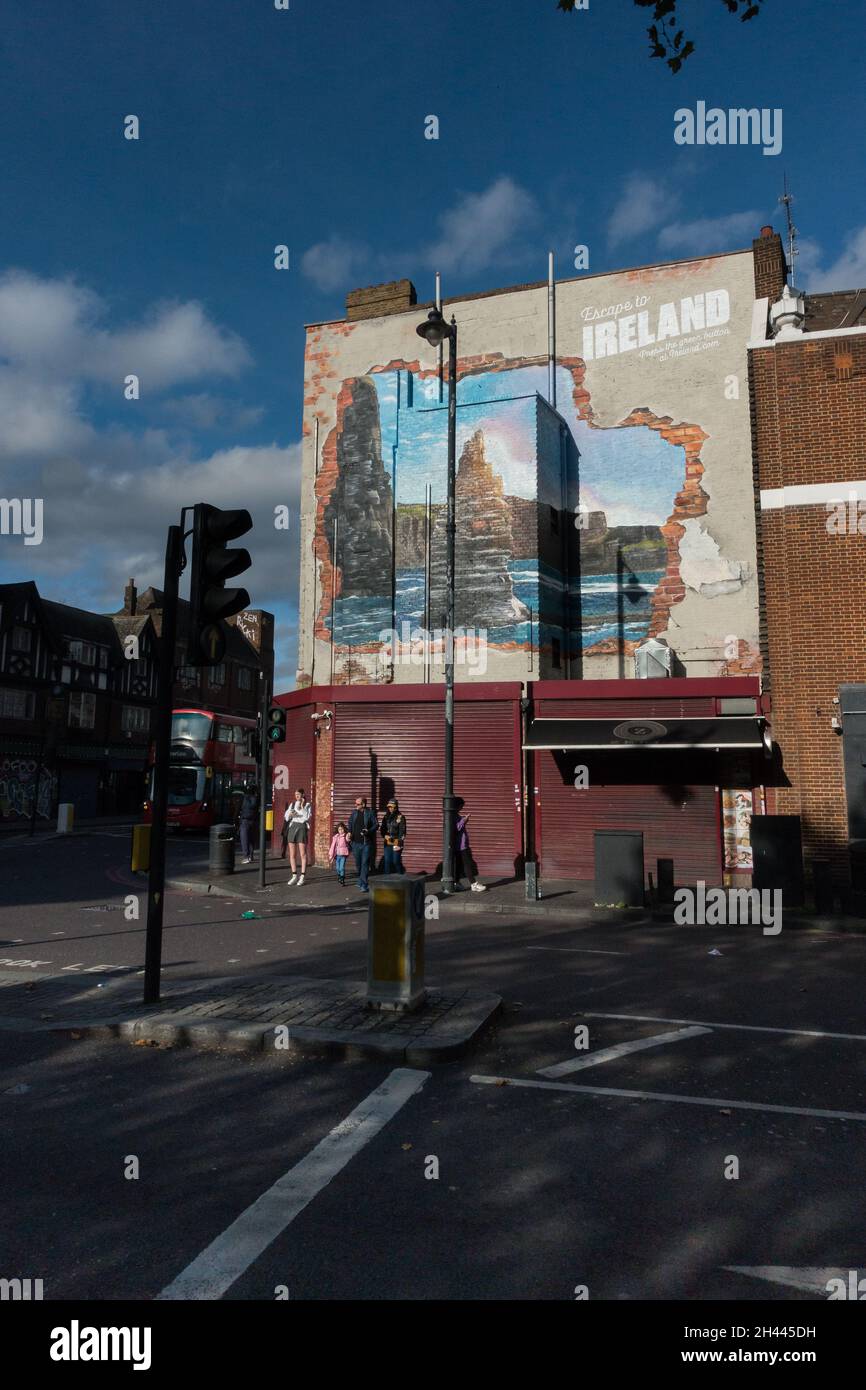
306,127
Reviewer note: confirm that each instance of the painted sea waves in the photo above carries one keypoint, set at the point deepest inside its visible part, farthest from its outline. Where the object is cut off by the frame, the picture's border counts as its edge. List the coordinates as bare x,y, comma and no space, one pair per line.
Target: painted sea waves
610,606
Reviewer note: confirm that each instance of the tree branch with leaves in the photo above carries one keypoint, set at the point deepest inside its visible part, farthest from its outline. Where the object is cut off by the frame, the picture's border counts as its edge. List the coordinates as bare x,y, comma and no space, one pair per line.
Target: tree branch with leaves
666,40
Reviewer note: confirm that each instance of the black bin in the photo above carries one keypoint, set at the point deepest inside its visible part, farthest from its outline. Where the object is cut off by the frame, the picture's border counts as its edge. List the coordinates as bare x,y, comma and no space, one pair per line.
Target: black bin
619,875
777,855
221,859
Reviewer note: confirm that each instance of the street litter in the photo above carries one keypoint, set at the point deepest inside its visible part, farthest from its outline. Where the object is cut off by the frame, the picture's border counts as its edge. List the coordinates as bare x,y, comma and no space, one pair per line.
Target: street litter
249,913
714,952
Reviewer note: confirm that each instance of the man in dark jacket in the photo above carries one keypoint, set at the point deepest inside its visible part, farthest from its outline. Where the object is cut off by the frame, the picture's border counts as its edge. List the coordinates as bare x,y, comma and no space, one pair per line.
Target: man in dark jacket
362,833
249,816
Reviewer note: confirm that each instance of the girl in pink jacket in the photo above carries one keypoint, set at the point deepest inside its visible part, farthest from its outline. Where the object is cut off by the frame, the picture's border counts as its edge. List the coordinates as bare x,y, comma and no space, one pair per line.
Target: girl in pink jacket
339,851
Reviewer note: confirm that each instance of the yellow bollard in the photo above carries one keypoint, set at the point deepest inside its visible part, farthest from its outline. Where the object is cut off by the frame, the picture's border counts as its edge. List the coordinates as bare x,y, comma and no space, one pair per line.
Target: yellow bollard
269,820
395,942
140,848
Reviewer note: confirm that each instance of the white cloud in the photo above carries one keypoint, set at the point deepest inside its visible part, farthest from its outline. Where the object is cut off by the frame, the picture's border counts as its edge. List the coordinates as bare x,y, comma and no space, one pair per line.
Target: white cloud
56,325
708,234
483,229
643,203
335,263
206,412
847,272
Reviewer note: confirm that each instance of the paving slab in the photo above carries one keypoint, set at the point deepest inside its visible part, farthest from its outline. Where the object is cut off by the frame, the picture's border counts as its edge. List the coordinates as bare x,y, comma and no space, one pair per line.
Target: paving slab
290,1014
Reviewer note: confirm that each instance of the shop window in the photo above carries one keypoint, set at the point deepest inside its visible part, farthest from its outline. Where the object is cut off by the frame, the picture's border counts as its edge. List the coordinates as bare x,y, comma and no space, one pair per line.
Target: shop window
17,704
82,710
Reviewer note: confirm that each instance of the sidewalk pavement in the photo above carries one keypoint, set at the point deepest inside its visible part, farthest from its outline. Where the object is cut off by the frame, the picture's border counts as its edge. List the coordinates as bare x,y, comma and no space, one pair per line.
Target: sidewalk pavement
561,898
281,1014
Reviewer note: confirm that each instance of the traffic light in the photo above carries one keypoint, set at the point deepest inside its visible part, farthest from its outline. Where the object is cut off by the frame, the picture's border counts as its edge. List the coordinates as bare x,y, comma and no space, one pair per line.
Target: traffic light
212,564
276,724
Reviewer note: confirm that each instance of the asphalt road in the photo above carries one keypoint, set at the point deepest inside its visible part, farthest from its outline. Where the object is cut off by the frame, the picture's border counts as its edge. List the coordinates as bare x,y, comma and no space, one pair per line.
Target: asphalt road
535,1191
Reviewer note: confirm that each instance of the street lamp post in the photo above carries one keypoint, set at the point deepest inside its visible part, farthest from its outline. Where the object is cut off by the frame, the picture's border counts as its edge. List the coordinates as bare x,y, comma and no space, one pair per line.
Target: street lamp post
435,330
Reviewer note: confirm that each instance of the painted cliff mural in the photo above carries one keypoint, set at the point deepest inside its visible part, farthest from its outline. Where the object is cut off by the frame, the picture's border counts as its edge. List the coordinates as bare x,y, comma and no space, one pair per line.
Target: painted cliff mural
563,530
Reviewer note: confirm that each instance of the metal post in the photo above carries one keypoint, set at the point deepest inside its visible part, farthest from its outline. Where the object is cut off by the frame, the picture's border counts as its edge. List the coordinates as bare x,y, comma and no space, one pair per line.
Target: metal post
264,760
448,800
428,513
551,332
162,741
42,748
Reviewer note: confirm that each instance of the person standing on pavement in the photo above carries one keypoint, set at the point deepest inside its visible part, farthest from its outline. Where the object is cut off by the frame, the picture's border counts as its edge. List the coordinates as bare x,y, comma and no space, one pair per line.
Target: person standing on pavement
248,816
299,812
393,829
464,862
339,851
362,834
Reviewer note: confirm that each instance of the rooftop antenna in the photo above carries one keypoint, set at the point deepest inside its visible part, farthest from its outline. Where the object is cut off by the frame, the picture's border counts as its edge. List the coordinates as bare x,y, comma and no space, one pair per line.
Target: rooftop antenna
787,199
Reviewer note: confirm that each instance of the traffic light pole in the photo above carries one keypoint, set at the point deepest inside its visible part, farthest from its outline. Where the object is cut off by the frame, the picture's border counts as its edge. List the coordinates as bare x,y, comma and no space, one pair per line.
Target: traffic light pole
264,760
162,741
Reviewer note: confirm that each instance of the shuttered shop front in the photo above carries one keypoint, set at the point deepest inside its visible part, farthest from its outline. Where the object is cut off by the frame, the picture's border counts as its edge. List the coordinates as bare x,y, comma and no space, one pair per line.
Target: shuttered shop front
391,748
670,796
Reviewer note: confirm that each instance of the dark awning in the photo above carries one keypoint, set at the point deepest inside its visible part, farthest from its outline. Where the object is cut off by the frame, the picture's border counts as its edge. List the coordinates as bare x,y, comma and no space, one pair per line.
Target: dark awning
586,734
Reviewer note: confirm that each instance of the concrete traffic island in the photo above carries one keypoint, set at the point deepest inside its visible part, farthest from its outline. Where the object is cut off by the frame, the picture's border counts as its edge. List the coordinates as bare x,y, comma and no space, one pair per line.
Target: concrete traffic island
394,1015
284,1015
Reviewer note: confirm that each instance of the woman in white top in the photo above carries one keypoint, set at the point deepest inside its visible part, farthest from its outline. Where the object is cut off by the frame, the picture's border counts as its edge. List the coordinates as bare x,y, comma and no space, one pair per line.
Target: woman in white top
295,827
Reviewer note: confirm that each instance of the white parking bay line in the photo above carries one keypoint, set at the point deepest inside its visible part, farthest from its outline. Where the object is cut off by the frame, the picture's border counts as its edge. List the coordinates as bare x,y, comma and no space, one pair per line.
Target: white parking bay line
577,950
606,1054
715,1102
232,1253
734,1027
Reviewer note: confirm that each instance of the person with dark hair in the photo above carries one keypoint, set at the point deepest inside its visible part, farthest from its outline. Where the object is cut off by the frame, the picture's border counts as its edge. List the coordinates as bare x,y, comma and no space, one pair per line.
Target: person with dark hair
464,863
249,814
393,830
298,814
362,837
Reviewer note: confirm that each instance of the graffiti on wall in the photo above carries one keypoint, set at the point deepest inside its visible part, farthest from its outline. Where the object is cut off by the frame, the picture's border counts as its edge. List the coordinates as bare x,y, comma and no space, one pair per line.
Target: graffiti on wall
17,785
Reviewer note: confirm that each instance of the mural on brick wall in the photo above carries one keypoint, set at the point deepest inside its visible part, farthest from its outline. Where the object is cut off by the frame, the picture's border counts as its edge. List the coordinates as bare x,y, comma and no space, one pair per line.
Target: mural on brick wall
17,782
632,489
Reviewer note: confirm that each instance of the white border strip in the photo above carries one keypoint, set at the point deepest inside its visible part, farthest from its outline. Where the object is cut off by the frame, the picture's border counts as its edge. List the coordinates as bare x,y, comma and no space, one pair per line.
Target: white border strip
812,494
232,1253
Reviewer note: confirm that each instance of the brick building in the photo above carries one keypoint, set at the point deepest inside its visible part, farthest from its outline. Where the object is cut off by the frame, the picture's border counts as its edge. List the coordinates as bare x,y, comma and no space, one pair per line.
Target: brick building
77,692
660,472
808,390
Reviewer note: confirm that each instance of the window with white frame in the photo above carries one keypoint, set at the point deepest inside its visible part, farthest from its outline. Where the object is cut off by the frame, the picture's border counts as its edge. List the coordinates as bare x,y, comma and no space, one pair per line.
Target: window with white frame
82,652
17,704
217,675
245,678
135,719
22,639
82,709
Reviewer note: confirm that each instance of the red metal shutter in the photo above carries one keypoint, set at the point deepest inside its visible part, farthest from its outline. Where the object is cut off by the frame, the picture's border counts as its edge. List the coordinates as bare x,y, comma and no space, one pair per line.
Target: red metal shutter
397,749
679,816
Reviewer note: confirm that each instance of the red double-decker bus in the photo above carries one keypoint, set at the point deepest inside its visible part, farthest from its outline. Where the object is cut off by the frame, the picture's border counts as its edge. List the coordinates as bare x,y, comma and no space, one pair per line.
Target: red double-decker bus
211,761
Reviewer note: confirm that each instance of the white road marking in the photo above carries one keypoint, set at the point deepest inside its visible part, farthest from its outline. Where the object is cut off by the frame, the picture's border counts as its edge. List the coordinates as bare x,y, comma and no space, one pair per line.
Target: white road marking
579,950
231,1254
715,1102
23,964
807,1280
605,1054
735,1027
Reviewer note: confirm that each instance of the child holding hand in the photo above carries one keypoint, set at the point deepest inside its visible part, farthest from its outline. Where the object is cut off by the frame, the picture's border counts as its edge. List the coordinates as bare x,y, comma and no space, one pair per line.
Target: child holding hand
339,851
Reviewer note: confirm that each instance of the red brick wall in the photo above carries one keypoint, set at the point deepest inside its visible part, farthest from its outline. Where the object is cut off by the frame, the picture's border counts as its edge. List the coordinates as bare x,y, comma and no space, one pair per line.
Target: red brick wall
809,402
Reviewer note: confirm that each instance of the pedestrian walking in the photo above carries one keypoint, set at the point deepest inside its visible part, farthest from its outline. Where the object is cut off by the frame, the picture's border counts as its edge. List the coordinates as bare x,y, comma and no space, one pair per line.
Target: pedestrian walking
339,851
362,833
393,830
297,829
465,865
249,814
